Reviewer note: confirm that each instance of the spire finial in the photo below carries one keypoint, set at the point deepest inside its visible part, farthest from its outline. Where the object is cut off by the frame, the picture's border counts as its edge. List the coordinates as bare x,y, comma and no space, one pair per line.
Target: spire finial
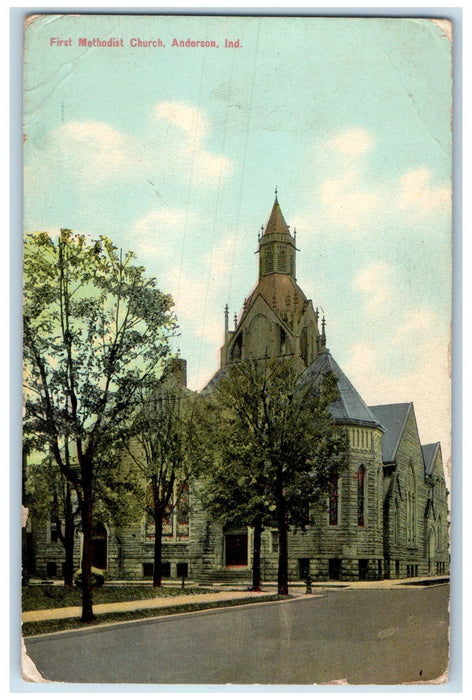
275,192
226,318
235,321
323,333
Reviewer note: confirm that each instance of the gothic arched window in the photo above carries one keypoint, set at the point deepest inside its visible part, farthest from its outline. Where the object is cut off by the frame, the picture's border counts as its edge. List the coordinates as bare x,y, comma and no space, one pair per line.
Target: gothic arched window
411,505
304,345
333,501
396,523
281,259
268,261
361,496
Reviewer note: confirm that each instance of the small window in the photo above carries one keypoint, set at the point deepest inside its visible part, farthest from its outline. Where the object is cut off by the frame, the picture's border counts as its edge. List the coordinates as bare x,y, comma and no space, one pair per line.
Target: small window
148,569
53,536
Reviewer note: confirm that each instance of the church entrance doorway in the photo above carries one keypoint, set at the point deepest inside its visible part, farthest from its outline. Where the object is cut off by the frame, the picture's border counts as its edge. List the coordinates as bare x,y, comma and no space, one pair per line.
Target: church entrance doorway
236,549
334,569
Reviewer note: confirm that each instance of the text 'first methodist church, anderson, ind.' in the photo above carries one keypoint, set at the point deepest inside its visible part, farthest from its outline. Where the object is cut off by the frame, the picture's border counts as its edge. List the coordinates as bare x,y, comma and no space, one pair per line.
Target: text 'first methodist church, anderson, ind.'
386,516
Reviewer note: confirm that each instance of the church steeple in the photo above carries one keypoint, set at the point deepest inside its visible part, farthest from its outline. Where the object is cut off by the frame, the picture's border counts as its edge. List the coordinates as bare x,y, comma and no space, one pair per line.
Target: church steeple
276,245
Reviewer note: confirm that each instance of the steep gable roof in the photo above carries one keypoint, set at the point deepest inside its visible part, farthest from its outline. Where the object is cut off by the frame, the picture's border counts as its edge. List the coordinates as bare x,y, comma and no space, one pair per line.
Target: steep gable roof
350,406
429,455
393,417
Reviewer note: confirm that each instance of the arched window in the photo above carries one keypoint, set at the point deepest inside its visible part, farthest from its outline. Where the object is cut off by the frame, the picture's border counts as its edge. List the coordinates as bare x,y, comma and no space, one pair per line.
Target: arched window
333,501
304,345
268,261
396,523
411,505
361,496
281,259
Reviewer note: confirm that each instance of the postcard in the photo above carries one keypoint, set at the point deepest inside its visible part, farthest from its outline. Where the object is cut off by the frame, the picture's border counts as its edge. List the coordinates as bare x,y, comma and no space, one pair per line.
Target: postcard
237,330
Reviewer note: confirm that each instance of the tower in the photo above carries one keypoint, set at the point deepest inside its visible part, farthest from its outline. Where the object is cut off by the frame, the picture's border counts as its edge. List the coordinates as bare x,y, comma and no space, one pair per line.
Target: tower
277,320
277,249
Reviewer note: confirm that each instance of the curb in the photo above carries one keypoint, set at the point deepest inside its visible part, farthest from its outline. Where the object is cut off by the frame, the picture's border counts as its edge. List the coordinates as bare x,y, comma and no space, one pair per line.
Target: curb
161,618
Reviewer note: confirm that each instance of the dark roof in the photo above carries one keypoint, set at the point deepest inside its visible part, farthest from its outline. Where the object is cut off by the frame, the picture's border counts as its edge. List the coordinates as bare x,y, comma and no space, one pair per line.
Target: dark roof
393,417
219,374
429,454
350,407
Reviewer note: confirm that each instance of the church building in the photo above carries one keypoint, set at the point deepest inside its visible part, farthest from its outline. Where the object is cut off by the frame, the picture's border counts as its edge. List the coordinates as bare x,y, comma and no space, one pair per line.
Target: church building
385,517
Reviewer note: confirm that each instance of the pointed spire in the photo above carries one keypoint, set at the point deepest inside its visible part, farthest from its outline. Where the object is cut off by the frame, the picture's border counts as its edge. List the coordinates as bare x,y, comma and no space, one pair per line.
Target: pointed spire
276,222
235,320
323,334
275,192
226,319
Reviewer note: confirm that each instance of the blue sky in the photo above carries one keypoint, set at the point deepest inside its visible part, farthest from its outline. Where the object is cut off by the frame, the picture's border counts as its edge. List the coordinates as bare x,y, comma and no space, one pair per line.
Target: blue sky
175,153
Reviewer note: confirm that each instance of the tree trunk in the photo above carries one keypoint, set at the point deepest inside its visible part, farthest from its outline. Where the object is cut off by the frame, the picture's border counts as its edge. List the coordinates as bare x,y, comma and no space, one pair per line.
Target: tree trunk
87,603
157,572
256,554
69,532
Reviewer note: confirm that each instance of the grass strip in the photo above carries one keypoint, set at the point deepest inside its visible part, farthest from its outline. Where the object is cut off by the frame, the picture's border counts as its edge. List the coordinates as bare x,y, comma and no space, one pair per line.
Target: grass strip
46,597
46,626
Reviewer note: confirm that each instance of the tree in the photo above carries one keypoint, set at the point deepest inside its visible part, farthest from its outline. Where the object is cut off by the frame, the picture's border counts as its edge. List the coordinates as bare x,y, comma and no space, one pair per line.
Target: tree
50,495
163,454
233,488
284,447
94,329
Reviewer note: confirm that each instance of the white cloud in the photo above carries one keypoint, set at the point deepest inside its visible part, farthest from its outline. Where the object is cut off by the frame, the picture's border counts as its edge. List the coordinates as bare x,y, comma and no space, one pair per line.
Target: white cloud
350,200
161,232
376,283
419,197
413,366
351,143
187,118
427,386
346,204
221,258
417,323
172,145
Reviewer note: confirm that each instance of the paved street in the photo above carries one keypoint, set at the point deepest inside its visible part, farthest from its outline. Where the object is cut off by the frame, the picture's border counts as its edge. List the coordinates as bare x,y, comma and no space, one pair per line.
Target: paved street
363,636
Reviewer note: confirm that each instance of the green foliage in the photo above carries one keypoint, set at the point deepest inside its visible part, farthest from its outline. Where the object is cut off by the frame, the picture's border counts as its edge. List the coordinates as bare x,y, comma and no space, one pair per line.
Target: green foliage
94,327
161,446
271,435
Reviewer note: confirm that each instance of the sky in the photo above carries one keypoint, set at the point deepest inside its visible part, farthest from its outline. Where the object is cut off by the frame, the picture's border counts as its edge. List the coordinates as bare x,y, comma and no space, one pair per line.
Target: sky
175,153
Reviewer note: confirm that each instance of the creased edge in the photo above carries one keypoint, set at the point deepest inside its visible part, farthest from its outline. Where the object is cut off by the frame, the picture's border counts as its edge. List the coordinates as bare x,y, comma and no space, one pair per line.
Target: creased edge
29,670
445,25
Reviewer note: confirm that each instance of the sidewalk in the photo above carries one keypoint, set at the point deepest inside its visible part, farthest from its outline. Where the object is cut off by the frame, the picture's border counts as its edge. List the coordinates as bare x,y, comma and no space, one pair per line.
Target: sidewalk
231,593
148,604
